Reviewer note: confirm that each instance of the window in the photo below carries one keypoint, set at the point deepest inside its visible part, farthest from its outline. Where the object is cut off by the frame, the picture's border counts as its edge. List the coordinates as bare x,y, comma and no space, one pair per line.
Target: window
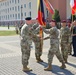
5,3
29,5
12,8
15,8
18,8
15,1
47,13
18,15
18,1
10,1
30,13
24,5
8,17
15,16
8,10
0,17
25,13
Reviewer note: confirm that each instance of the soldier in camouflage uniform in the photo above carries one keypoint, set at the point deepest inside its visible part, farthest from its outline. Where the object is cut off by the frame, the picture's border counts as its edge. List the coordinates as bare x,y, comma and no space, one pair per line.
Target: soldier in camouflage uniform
65,42
70,38
38,41
25,43
54,46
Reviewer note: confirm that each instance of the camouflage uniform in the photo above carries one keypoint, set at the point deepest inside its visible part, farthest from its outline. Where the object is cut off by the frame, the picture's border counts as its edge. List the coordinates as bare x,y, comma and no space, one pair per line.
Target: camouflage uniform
38,42
70,39
70,45
64,35
25,43
54,45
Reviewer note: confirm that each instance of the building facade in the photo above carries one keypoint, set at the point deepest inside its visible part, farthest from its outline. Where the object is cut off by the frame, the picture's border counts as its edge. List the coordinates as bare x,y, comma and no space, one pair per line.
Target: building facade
17,10
12,11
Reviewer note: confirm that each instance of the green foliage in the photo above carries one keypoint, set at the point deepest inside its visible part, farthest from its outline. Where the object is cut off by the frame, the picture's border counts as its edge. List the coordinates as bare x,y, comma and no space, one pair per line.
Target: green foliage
56,16
7,33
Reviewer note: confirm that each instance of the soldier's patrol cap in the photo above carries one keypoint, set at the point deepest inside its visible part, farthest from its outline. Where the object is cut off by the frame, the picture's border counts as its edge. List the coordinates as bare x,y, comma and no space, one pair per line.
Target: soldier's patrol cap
63,21
52,21
28,18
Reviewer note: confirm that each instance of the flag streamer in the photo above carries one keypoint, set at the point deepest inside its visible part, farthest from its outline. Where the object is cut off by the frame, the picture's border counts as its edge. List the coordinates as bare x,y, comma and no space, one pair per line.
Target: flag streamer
49,6
41,16
73,6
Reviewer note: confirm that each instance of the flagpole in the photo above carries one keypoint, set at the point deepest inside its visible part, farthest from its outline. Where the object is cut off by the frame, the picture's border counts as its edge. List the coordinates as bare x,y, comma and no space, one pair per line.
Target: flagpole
72,17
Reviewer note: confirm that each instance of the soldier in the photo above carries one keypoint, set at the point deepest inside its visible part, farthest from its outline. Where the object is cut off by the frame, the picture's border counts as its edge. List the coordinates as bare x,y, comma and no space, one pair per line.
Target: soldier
70,38
65,42
54,46
25,43
74,38
38,42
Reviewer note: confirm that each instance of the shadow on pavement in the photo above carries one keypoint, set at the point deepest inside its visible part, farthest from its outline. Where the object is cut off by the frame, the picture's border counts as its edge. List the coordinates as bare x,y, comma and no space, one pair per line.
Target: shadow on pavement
57,70
72,65
30,73
44,64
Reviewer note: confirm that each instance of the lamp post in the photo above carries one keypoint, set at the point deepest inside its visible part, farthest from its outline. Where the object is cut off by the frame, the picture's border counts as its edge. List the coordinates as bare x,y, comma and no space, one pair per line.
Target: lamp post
21,13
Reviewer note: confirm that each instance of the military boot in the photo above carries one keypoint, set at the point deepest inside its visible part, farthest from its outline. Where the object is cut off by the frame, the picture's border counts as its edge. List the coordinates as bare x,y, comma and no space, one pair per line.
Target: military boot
25,69
49,68
63,66
66,61
39,59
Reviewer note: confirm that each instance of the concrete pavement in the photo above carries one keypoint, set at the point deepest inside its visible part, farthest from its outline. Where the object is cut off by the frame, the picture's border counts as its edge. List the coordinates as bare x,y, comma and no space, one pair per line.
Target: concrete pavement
10,60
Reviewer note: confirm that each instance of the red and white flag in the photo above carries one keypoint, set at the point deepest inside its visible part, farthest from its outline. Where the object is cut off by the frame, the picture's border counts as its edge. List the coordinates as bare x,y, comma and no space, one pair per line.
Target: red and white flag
49,6
73,6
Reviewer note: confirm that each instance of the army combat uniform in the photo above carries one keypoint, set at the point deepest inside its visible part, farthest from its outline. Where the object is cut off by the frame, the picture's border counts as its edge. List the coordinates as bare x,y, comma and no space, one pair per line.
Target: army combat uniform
64,36
38,42
25,44
54,47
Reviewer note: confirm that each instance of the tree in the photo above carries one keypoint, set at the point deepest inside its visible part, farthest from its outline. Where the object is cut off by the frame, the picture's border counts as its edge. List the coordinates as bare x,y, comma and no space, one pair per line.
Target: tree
56,16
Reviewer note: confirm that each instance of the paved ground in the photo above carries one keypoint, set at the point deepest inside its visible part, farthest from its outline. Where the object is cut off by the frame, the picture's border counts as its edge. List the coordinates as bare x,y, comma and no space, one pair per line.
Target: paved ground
10,60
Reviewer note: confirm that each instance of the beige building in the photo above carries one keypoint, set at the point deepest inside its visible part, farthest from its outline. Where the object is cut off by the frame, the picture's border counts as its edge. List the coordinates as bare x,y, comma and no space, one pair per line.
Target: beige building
17,10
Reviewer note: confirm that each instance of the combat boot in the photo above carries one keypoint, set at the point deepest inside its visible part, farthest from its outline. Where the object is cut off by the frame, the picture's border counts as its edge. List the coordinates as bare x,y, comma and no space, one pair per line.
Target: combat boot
25,69
65,60
39,59
49,68
63,66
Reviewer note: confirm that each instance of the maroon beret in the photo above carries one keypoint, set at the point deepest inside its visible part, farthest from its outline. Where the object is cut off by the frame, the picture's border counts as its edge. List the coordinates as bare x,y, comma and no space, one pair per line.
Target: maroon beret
53,21
63,21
